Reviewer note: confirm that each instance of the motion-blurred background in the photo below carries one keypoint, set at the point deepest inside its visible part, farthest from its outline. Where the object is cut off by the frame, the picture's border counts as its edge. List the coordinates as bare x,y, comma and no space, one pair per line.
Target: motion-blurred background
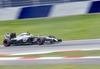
15,3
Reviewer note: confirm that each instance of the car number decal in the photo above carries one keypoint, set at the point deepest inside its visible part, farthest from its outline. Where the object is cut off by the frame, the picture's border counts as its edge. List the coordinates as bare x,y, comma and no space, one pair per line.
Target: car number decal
25,39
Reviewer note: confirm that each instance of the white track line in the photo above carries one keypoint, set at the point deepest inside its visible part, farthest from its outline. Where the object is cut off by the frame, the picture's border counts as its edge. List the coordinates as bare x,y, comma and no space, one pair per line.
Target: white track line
48,58
78,50
56,51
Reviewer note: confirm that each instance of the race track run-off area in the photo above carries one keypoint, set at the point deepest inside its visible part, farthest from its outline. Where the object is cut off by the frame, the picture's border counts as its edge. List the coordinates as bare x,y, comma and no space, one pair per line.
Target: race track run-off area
65,46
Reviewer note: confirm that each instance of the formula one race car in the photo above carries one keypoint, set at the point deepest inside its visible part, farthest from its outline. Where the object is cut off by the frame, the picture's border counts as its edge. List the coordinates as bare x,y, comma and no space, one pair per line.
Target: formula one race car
27,38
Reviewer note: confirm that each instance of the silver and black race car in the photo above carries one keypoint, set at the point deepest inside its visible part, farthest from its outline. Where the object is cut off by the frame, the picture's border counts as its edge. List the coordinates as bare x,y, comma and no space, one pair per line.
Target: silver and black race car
27,38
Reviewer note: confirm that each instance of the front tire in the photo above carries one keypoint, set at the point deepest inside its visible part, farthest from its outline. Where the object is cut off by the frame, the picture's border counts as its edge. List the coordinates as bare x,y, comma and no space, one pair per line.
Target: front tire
6,42
40,41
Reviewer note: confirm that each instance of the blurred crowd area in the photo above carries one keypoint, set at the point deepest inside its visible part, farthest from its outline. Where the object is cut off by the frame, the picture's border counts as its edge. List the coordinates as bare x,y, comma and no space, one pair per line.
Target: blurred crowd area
16,3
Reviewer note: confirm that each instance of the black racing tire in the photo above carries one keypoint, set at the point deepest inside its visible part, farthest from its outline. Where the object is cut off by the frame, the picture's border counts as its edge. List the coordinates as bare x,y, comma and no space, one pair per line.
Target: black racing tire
40,41
6,42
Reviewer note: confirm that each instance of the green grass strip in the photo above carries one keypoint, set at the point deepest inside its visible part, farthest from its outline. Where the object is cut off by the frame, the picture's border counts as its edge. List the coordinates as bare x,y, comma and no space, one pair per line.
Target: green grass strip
53,67
66,28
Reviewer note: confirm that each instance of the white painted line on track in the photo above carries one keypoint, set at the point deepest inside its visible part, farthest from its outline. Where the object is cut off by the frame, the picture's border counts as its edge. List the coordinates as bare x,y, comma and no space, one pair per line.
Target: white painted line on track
48,58
45,52
57,51
10,58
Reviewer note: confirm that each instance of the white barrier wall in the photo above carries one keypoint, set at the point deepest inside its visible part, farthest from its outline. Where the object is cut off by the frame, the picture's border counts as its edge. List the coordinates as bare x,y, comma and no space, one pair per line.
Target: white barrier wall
66,9
9,13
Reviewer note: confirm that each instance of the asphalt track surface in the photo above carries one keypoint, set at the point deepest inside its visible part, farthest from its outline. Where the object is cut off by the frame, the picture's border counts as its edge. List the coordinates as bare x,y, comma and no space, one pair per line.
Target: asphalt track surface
65,45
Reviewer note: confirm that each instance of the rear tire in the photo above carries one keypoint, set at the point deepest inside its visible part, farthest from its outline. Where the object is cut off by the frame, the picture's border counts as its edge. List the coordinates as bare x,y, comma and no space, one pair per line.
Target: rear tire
6,42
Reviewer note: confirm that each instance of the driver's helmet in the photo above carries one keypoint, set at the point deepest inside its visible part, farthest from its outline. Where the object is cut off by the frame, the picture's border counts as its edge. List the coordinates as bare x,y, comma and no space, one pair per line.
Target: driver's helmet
28,33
